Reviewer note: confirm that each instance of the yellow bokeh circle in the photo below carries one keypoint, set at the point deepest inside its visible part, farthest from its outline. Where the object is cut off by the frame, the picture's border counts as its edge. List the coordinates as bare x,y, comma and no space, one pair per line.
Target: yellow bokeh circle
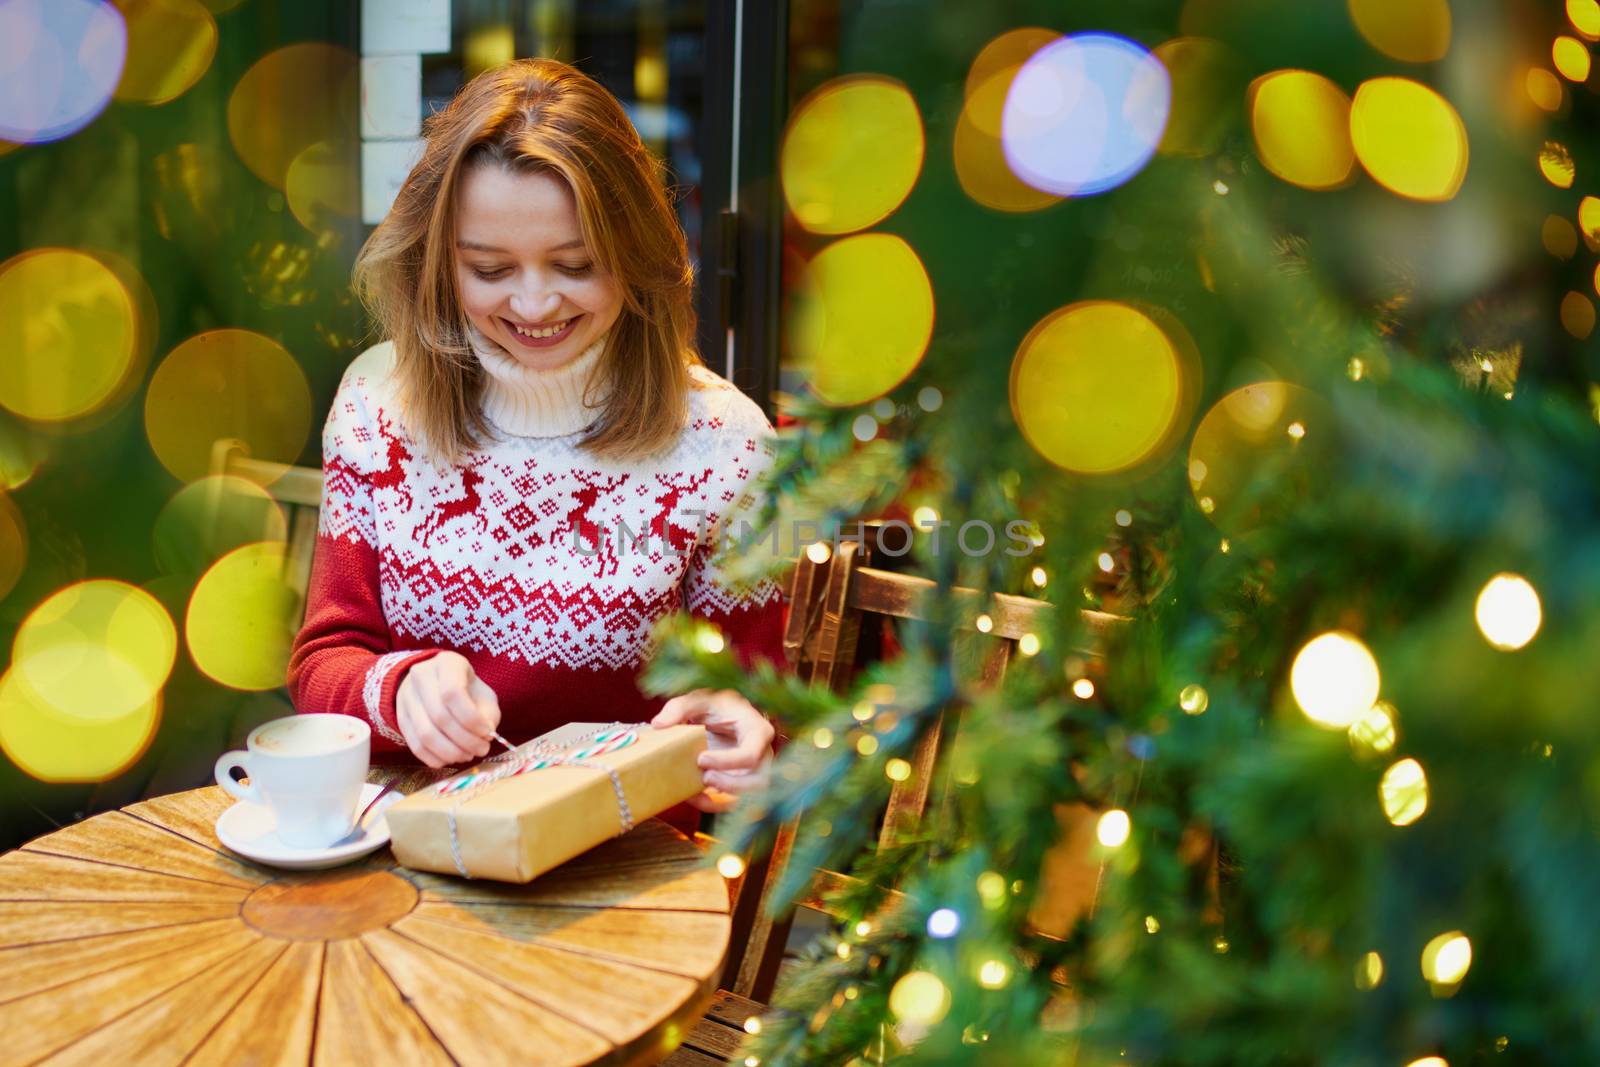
53,747
1589,221
99,649
1585,17
1571,58
1096,387
862,317
979,158
1544,89
1555,163
1413,31
291,99
1409,138
1256,454
226,383
1301,125
1577,315
170,47
1206,78
240,624
851,153
69,333
208,518
1334,679
323,186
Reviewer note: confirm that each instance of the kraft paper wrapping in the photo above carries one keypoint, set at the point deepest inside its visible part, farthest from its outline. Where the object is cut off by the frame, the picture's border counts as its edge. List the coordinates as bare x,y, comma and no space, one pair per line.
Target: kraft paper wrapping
518,828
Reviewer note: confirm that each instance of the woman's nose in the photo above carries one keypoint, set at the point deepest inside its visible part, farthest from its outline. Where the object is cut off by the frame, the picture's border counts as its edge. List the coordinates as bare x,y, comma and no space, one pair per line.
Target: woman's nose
535,307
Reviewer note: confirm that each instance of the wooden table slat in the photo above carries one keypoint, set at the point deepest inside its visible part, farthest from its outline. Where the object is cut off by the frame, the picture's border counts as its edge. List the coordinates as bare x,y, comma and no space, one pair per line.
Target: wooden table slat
615,1000
192,814
119,838
32,922
37,876
686,886
475,1018
689,943
163,1031
271,1025
48,1021
363,1018
29,969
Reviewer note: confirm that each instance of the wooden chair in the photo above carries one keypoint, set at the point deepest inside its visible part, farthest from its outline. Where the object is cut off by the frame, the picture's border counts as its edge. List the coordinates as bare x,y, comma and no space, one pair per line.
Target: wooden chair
297,490
841,604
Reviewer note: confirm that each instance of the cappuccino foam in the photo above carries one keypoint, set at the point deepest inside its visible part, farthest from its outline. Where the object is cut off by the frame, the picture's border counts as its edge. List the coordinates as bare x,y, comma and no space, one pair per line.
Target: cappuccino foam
306,737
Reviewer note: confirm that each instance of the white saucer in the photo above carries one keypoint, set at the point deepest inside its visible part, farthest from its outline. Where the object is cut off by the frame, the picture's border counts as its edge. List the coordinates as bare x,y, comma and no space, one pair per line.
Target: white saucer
251,831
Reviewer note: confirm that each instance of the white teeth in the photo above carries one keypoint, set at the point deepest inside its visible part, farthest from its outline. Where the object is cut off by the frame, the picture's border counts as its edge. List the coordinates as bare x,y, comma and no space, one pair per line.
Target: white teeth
549,331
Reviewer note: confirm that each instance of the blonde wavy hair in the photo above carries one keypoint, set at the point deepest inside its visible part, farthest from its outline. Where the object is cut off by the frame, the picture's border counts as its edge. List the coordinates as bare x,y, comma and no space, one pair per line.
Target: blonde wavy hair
536,115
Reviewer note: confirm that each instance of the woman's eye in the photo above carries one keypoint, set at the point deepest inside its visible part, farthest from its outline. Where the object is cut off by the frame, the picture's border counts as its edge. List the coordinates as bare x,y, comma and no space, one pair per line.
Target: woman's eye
488,276
576,270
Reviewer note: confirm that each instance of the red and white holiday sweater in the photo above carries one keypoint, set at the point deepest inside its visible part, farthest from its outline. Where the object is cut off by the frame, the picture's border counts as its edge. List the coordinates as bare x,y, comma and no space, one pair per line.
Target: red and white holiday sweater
522,557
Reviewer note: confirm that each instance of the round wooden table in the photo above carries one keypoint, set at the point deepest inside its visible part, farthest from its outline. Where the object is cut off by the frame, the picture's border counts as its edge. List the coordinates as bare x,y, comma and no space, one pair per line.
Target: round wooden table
133,937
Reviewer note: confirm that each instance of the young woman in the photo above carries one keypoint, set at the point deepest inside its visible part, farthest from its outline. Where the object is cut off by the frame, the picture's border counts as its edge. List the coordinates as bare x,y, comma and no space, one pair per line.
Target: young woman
535,465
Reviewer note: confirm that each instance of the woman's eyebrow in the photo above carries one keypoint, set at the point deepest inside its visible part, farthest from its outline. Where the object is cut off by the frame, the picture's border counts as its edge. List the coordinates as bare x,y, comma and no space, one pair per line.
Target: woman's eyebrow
474,246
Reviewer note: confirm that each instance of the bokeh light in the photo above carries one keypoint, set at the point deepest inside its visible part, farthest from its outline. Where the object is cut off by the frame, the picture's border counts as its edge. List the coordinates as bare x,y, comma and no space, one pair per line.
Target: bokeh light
1301,125
1446,958
56,747
99,649
1084,114
1559,237
920,998
851,153
323,186
226,383
68,328
208,518
1508,612
1585,17
1577,315
170,47
1403,792
241,620
1207,78
979,156
1409,138
862,317
1257,453
1334,679
60,60
1555,163
1097,387
1369,971
1374,730
291,99
1413,31
1544,89
1194,700
1571,58
1113,828
1589,221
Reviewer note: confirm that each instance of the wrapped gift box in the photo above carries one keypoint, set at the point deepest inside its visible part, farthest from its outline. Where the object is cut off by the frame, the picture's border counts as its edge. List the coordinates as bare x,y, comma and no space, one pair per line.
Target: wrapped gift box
513,818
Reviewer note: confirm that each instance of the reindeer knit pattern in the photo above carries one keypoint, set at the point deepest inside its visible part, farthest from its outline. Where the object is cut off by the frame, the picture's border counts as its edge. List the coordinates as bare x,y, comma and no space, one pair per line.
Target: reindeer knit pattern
543,565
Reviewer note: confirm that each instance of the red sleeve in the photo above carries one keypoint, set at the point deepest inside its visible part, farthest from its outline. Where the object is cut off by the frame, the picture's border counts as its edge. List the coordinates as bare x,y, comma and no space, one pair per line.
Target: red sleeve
343,659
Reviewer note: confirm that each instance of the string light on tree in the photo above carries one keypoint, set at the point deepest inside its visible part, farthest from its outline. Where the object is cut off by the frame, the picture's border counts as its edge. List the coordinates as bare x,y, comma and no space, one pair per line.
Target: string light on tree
1374,730
1193,699
1508,612
1113,829
1369,971
1334,679
1403,791
1083,689
1446,958
920,998
994,974
730,866
944,923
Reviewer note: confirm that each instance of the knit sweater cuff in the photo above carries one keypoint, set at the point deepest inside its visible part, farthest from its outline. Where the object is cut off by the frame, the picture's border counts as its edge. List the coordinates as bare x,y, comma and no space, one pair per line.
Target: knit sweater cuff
382,684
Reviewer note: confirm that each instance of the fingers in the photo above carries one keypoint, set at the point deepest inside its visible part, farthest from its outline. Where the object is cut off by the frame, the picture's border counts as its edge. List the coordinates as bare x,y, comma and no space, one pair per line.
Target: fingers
690,707
488,702
752,743
713,801
448,712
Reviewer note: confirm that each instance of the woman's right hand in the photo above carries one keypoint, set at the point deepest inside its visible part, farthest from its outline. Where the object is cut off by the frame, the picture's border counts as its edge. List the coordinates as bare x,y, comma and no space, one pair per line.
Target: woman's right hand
445,711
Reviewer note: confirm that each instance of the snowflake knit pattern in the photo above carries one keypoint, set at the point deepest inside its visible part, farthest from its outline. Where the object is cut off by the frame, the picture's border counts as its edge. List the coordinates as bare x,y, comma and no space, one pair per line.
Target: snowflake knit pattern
543,565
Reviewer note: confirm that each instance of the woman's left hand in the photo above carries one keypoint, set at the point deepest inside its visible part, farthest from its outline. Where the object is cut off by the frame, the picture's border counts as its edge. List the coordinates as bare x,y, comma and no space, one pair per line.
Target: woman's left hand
738,753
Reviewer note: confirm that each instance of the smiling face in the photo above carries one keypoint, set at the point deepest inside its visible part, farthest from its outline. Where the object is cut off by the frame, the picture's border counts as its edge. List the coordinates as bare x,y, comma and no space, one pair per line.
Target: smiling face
528,282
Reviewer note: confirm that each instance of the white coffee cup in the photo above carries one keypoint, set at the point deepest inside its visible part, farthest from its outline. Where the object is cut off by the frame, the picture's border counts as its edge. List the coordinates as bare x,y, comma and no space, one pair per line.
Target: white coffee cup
307,770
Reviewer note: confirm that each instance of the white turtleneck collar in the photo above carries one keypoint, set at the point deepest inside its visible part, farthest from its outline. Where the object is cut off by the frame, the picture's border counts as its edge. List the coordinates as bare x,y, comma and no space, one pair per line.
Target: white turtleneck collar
526,402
